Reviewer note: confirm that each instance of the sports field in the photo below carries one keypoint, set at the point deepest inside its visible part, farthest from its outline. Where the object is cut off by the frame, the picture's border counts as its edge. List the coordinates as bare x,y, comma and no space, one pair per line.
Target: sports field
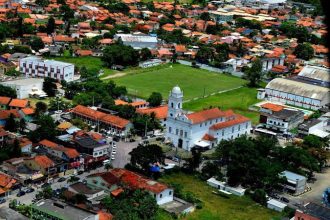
239,100
193,82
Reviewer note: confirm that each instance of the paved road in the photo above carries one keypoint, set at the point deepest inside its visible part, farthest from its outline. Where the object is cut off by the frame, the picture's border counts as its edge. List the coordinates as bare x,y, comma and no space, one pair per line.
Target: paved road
122,156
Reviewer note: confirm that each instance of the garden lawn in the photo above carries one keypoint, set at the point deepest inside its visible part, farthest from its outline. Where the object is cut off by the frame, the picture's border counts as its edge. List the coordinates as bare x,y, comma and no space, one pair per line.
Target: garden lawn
238,100
191,80
88,62
216,207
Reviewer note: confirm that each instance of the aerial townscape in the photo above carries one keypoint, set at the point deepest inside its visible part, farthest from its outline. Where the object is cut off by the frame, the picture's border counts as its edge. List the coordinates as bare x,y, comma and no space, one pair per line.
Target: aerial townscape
164,110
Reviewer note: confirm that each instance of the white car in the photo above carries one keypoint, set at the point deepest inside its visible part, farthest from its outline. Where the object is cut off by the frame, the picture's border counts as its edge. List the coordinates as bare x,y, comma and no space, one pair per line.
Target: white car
113,157
114,152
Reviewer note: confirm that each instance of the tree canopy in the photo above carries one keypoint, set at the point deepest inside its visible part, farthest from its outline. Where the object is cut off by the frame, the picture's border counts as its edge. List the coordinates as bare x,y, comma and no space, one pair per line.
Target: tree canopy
7,91
304,51
254,73
155,99
119,54
143,156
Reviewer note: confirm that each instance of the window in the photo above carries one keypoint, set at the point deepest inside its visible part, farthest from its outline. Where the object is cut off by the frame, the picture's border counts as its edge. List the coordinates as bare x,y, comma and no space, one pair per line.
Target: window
178,105
239,127
232,129
200,125
223,132
170,192
170,129
172,105
181,132
176,131
247,124
161,195
205,123
185,134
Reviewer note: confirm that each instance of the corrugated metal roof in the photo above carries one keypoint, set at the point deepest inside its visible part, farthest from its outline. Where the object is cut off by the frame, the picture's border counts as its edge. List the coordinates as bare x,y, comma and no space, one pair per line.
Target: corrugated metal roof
315,72
298,88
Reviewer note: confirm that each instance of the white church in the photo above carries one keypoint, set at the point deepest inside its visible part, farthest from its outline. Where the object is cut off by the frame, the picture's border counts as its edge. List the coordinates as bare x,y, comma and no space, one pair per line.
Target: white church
203,129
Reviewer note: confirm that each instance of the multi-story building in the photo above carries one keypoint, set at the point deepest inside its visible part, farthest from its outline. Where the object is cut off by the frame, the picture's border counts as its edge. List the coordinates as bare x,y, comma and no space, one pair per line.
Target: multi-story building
295,183
36,67
278,118
203,129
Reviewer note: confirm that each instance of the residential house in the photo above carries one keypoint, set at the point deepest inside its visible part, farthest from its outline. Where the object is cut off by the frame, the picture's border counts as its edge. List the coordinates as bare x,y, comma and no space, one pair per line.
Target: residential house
110,181
279,118
18,104
5,114
41,163
7,184
26,145
4,102
27,114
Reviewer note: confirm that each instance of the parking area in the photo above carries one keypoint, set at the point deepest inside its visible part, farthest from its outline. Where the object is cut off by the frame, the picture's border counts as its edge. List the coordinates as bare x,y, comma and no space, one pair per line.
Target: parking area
122,150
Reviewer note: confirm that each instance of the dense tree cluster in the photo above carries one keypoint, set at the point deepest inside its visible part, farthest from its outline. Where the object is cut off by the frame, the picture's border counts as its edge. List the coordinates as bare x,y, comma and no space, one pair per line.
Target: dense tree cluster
119,54
7,91
136,204
143,156
254,73
256,163
304,51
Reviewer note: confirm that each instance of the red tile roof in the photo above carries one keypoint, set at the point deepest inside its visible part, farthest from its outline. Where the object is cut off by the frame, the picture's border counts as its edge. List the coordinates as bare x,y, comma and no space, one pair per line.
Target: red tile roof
96,115
209,114
4,100
4,114
116,192
104,215
208,137
136,181
238,120
273,107
48,143
71,153
84,52
28,111
43,161
6,181
160,112
20,103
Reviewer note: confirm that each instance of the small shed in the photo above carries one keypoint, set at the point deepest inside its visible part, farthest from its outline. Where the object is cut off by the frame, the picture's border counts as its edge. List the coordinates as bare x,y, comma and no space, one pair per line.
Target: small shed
276,205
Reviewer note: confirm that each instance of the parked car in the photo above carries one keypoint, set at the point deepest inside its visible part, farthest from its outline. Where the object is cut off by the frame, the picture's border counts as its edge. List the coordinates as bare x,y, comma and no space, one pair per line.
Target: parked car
283,199
61,179
114,152
29,190
116,139
2,200
45,185
20,193
80,172
113,157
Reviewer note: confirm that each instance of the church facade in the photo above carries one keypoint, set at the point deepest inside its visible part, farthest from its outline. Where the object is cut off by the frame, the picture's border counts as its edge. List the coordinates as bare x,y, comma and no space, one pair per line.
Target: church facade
205,128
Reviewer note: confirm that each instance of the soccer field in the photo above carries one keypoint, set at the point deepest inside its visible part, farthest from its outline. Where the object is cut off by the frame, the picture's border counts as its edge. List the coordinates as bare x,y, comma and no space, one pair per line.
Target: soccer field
193,82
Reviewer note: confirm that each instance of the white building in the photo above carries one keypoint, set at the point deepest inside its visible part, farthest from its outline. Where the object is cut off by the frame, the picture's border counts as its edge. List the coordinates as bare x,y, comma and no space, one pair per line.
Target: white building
278,118
138,41
36,67
276,205
297,93
26,87
296,184
205,128
222,186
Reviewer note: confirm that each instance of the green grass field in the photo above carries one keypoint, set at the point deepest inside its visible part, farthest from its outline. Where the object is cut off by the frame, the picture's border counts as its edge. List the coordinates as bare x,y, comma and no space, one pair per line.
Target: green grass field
239,100
192,81
88,62
216,207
